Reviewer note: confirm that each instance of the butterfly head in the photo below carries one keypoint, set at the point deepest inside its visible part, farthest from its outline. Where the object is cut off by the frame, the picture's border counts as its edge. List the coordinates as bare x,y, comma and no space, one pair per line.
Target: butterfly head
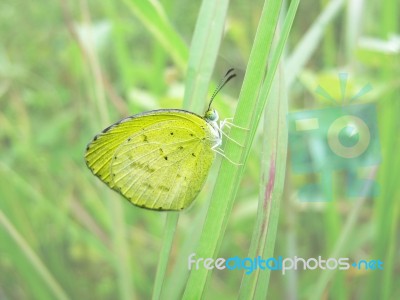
211,115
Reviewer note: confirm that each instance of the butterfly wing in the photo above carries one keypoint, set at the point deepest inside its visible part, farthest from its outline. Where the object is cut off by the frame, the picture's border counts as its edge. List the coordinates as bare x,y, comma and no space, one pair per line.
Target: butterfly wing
157,160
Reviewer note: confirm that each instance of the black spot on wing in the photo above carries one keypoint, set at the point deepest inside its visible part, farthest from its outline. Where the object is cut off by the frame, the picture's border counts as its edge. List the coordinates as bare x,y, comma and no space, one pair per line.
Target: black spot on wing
142,166
109,127
148,186
163,188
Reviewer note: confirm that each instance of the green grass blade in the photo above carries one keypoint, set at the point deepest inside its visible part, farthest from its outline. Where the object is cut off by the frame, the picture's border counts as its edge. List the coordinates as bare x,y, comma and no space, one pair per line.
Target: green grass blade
203,52
385,284
339,250
178,276
153,16
273,177
170,227
309,42
122,263
272,181
248,113
121,250
39,267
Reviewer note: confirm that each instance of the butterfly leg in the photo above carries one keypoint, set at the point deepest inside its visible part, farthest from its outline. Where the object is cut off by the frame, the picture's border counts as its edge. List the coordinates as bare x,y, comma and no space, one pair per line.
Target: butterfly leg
227,122
220,152
232,140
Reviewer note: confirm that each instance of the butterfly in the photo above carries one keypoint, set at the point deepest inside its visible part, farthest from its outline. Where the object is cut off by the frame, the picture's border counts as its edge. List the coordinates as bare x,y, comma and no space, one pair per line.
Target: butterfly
159,159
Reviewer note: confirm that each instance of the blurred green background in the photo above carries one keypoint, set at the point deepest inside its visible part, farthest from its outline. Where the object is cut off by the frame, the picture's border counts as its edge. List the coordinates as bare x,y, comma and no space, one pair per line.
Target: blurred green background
68,70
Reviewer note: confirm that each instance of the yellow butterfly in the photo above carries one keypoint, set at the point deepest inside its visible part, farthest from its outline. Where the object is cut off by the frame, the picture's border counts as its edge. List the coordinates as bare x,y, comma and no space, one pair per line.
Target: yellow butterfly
158,159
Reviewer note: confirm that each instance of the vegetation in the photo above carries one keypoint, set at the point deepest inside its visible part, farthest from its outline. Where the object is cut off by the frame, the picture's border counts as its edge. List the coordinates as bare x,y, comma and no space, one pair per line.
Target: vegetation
69,69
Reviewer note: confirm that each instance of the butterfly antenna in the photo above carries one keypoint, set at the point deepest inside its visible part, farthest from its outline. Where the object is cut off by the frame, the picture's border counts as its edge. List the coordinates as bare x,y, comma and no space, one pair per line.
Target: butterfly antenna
228,76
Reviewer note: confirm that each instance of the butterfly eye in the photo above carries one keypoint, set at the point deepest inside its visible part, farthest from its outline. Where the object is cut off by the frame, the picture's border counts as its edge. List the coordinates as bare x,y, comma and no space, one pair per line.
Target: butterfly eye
211,115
